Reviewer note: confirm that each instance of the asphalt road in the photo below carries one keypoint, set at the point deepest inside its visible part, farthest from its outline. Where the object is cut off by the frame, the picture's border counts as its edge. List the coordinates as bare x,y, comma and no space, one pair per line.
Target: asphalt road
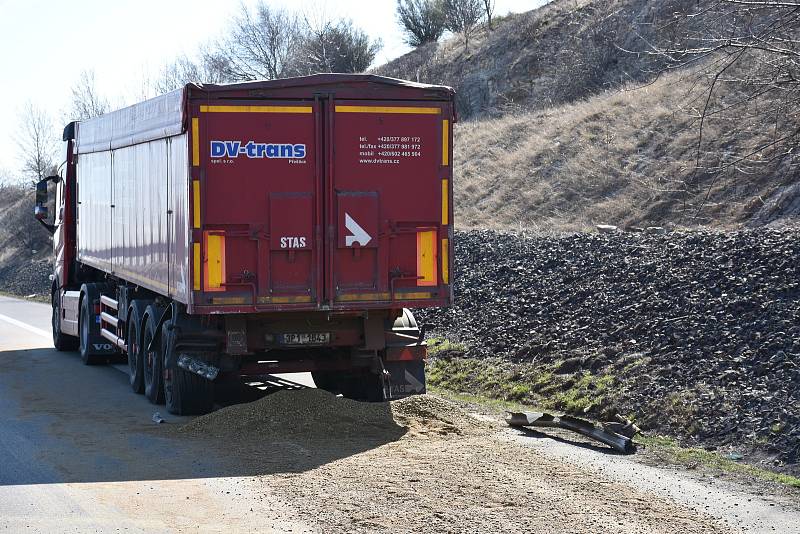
79,450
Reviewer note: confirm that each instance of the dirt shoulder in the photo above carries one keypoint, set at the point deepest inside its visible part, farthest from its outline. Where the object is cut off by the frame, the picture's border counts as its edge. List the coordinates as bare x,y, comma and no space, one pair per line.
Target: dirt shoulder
436,469
474,483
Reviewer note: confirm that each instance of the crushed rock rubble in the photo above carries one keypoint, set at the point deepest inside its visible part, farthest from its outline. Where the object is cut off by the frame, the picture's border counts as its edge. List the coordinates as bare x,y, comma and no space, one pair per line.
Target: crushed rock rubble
26,278
707,323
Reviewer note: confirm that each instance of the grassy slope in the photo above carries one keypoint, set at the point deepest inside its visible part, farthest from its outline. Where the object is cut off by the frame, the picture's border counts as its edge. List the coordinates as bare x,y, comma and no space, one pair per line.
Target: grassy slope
623,157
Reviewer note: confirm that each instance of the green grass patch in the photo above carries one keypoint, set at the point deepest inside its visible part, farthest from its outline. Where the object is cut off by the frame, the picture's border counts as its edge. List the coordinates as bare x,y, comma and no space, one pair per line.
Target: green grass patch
437,344
498,405
499,379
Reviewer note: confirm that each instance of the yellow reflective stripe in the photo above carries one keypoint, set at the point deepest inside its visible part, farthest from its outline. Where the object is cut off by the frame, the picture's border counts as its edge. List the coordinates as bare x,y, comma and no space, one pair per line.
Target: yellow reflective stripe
215,261
413,295
445,142
291,299
196,203
256,109
230,300
426,258
195,142
196,267
445,202
387,109
348,297
445,261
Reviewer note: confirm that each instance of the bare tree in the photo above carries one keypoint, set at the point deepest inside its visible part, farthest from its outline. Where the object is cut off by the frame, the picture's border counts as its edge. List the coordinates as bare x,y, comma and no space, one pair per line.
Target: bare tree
463,16
746,53
488,9
86,102
422,21
210,68
5,178
260,45
336,47
37,142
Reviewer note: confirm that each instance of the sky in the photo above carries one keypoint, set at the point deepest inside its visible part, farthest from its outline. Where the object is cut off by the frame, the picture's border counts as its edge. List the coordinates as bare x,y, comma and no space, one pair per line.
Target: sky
46,44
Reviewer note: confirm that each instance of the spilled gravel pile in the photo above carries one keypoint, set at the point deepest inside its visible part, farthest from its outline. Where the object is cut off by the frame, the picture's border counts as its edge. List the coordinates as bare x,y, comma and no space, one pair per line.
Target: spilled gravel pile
316,415
696,334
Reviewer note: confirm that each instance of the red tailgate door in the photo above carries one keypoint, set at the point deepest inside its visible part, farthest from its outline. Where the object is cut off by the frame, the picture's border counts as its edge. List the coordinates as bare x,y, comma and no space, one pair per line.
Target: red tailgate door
260,218
388,202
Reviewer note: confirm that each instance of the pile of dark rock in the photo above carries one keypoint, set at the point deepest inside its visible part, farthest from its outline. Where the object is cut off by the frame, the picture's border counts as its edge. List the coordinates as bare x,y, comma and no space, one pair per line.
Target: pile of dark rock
701,330
26,277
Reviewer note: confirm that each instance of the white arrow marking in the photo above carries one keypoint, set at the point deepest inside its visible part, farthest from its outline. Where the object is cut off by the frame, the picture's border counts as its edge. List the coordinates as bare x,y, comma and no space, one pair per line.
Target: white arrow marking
359,235
416,384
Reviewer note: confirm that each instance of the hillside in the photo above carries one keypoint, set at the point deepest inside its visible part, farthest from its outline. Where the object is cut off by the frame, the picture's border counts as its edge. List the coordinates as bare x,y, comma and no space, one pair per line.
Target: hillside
563,127
25,247
562,52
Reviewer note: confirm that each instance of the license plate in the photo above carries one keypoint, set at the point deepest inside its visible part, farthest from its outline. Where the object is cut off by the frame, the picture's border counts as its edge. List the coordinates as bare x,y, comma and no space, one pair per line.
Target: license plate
306,338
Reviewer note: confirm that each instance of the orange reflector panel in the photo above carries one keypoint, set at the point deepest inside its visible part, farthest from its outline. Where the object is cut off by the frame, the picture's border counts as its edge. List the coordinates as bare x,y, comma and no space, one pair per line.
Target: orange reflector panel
426,258
215,261
445,261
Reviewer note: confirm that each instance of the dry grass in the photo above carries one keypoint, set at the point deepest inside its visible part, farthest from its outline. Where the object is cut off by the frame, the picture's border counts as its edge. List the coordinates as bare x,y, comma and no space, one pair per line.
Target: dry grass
625,157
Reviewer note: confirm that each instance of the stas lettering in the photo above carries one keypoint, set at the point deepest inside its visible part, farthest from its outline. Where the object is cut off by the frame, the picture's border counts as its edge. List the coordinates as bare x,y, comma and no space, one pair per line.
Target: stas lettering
233,149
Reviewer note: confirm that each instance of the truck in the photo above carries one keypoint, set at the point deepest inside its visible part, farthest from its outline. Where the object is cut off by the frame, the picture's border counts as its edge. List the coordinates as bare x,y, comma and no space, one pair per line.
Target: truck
219,233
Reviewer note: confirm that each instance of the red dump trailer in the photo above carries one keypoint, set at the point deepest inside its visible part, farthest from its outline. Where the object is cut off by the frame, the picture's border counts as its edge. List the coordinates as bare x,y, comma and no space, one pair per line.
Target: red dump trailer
226,231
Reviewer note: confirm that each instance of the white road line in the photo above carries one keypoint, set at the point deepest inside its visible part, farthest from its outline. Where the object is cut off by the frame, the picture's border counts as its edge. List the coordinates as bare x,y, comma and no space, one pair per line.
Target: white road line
29,328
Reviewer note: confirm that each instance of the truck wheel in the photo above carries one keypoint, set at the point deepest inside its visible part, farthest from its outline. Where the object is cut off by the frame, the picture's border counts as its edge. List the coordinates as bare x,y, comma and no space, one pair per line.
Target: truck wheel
61,341
134,342
153,375
361,386
326,380
83,328
185,392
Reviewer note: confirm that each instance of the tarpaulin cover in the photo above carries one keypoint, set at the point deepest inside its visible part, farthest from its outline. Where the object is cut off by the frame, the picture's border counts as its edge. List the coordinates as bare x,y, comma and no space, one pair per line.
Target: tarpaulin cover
162,116
155,118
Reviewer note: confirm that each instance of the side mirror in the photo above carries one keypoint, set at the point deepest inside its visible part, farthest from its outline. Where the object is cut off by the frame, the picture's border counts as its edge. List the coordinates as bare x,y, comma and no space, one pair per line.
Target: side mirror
40,210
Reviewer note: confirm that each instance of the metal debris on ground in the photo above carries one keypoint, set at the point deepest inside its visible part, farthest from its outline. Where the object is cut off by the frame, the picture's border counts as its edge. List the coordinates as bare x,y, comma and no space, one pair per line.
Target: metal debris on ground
618,441
157,419
607,228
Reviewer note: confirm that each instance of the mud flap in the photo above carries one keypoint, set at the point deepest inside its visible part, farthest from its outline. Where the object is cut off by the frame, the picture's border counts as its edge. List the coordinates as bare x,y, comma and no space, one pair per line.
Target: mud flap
405,378
96,345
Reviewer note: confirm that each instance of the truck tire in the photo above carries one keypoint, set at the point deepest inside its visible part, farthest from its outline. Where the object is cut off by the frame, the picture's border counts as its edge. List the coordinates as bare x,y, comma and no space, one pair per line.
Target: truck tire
327,380
361,386
83,329
134,341
61,341
366,387
185,392
152,361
